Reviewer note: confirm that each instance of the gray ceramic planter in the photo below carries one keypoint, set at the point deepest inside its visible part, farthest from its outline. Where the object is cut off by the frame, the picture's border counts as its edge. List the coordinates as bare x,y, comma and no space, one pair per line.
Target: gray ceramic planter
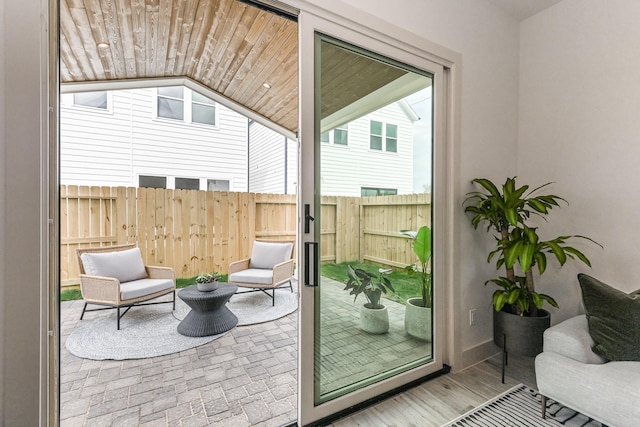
523,334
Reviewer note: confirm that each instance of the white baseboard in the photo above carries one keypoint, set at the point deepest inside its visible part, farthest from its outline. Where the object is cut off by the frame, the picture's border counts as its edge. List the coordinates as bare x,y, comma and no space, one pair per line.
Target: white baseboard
477,354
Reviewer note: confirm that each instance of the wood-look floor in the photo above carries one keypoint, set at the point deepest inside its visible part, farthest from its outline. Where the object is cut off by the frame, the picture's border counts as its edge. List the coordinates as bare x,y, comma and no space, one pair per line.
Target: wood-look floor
445,398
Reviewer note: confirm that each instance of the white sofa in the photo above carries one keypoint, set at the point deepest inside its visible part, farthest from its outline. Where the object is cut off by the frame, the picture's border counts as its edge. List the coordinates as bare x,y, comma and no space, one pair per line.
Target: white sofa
569,372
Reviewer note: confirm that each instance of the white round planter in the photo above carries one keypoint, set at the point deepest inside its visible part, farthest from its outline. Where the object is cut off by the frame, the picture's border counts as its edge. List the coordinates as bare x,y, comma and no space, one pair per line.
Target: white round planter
207,287
417,319
374,320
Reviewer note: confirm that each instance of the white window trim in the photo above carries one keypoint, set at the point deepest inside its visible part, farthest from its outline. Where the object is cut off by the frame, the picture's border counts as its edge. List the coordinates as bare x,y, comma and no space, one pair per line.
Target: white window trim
383,149
187,110
67,101
332,136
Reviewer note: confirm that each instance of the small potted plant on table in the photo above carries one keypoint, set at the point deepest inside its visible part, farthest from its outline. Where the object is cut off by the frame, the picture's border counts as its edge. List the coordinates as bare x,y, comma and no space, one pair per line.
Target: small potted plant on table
374,317
207,282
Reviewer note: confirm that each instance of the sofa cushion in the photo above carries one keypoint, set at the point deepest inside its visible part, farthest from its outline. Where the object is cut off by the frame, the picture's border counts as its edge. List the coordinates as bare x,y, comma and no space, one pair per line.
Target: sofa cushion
614,319
571,338
267,254
252,275
142,287
124,265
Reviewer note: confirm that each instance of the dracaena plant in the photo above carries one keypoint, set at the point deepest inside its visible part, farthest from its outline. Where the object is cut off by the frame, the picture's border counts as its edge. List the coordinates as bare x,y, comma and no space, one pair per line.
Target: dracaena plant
518,246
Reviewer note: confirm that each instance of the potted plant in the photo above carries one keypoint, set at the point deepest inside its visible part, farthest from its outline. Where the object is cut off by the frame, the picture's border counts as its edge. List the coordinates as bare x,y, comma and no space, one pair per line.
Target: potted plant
374,317
417,318
207,282
519,313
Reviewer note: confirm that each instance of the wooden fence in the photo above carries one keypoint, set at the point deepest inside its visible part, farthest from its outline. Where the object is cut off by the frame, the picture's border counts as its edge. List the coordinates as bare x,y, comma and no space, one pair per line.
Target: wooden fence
202,231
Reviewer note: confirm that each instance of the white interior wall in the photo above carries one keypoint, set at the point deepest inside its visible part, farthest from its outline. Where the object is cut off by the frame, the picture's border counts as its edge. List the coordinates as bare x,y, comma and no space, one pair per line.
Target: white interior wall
579,127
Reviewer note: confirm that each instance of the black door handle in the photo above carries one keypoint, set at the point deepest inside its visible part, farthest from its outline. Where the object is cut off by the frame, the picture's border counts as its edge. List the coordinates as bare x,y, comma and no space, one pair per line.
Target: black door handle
307,259
307,219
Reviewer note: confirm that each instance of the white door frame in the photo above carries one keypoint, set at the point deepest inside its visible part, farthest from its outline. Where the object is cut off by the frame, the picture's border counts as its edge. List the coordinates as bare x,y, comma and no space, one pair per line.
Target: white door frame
443,179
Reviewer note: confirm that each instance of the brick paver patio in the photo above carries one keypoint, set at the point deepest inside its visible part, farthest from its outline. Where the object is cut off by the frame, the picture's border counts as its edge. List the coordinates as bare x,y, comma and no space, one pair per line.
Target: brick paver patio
245,378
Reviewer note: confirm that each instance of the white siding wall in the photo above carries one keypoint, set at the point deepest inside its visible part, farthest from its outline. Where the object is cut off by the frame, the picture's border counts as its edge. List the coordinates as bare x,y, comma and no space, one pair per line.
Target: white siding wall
266,160
272,158
115,147
95,146
292,170
346,169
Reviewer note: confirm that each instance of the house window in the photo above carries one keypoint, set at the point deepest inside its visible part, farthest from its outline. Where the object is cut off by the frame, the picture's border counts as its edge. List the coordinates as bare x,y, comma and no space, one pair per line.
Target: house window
375,139
371,191
391,143
387,133
203,109
338,136
152,181
176,103
217,185
91,99
187,184
171,102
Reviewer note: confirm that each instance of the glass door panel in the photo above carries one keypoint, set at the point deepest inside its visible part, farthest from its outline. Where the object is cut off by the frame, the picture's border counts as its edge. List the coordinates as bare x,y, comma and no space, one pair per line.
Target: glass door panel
373,181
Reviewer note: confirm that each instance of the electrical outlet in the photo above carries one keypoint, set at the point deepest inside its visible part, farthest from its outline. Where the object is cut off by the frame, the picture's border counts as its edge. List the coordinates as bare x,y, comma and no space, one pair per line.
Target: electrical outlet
472,317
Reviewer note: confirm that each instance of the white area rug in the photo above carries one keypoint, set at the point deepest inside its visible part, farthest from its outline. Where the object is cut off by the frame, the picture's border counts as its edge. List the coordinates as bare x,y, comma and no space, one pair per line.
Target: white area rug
151,331
520,406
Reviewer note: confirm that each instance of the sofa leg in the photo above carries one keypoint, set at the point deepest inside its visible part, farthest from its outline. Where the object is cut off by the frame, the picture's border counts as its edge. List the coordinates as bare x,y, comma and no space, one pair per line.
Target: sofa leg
118,313
544,407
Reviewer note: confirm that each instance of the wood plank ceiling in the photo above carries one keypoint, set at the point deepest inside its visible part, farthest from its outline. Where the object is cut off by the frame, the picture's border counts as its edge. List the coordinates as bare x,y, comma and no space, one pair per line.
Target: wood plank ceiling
231,47
226,45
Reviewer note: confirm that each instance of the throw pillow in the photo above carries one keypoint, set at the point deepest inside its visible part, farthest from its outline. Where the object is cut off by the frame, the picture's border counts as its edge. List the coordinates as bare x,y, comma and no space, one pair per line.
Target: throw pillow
124,265
267,254
614,319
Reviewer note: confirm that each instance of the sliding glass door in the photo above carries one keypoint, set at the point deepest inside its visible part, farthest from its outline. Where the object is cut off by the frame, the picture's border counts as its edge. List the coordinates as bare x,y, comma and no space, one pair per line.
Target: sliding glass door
369,322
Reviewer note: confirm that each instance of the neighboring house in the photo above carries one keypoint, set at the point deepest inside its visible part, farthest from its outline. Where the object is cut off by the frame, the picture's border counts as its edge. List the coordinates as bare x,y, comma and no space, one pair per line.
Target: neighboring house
173,137
167,137
370,156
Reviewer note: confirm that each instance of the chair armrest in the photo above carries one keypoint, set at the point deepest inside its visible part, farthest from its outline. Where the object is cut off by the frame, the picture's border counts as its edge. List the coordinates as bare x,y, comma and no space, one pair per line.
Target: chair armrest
155,272
283,271
239,265
100,289
571,339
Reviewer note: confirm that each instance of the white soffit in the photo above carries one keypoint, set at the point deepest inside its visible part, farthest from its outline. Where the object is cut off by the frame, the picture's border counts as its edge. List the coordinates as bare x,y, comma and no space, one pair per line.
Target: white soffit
392,92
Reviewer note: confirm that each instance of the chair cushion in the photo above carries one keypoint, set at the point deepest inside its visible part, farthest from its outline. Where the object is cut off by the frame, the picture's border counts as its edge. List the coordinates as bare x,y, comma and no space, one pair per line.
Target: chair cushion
252,275
142,287
267,254
124,265
613,318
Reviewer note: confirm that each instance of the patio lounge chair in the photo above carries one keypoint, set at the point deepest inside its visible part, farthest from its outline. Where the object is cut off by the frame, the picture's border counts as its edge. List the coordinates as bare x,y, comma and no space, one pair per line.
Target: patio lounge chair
116,277
270,266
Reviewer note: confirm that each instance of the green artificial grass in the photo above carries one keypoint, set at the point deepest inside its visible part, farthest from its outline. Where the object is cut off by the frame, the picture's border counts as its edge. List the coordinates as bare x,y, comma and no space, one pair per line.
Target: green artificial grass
70,294
405,286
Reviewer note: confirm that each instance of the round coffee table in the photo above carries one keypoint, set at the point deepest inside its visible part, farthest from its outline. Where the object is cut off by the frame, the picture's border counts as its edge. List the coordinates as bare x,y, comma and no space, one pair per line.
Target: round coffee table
209,315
